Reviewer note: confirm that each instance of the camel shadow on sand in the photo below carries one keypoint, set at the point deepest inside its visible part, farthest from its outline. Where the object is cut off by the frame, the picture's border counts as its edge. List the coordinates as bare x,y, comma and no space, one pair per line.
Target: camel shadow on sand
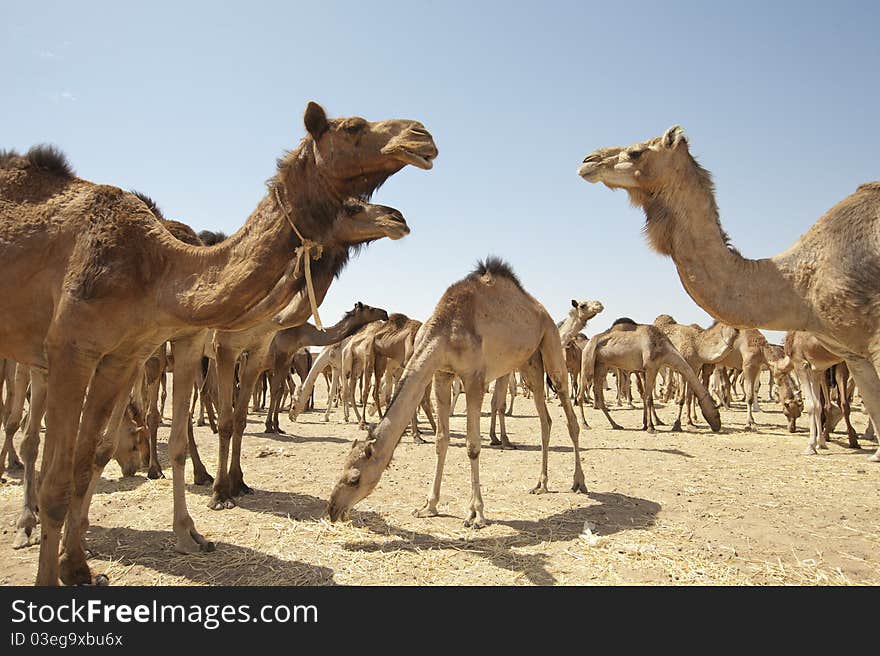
230,564
615,513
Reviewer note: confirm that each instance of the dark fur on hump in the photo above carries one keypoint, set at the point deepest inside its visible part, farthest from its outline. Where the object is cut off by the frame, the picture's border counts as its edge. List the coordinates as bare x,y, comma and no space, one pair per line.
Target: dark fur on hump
624,320
47,157
398,320
150,203
211,237
495,266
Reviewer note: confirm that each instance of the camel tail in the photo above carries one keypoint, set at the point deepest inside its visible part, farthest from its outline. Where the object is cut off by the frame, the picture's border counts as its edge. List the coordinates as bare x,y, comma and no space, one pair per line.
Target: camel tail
707,406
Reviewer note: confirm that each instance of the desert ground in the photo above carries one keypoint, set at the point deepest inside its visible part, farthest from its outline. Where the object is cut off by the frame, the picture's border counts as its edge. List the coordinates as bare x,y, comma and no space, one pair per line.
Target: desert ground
670,508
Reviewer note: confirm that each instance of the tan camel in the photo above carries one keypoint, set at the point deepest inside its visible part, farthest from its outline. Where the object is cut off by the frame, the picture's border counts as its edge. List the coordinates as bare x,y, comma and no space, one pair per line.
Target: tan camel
330,357
637,347
91,309
698,347
811,361
483,326
826,283
286,343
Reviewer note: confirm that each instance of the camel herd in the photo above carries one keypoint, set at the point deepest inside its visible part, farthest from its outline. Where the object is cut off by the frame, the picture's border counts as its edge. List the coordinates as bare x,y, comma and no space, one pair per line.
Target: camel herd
108,296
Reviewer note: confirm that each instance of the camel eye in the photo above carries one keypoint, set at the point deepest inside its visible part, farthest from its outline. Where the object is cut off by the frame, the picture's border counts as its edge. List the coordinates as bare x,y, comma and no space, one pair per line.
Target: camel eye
635,154
354,128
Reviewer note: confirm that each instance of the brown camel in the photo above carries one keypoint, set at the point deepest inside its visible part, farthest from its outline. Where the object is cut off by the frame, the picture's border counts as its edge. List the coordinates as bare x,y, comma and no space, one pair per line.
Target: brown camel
811,361
483,326
698,347
286,343
637,347
826,283
91,309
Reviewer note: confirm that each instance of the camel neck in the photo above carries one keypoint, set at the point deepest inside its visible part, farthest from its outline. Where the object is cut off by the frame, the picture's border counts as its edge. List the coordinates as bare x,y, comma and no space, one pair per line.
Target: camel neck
570,327
683,222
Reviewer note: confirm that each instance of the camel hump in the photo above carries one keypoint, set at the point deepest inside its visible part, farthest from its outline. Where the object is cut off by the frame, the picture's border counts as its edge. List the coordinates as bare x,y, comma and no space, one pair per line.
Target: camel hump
150,203
46,157
182,232
494,266
869,187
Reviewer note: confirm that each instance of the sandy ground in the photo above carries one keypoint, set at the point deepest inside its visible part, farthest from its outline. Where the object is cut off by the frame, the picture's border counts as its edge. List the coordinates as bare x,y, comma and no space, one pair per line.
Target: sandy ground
686,508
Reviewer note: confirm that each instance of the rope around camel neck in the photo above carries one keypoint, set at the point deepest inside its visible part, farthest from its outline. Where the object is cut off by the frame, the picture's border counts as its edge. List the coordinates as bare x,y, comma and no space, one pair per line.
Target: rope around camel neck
304,254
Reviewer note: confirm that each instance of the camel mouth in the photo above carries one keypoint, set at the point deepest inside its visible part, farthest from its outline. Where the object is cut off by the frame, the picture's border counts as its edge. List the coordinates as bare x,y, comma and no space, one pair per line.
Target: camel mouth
334,512
395,226
408,156
588,171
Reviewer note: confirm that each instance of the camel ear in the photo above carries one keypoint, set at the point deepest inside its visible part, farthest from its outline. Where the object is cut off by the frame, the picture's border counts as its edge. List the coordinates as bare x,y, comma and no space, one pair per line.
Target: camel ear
574,303
358,306
315,120
673,136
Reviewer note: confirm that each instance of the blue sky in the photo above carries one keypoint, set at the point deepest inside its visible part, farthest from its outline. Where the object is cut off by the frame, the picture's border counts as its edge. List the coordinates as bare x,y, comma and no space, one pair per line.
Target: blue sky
192,103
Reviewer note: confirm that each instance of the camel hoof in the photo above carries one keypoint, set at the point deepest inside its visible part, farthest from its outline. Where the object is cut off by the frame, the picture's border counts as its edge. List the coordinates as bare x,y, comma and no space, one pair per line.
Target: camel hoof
15,465
811,451
823,445
476,523
155,473
425,511
540,488
749,428
74,572
494,441
853,444
417,439
579,487
676,427
25,537
874,458
219,502
508,445
102,580
616,427
203,478
650,429
240,487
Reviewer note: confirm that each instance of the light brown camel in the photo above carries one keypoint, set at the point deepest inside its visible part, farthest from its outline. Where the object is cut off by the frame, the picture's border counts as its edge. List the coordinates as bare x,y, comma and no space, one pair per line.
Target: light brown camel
811,361
330,357
827,283
286,343
483,326
91,309
637,347
698,347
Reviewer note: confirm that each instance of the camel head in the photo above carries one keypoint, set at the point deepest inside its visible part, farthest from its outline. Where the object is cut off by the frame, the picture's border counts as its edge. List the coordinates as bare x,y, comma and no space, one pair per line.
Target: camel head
641,168
583,311
358,155
362,314
360,475
133,448
716,342
360,222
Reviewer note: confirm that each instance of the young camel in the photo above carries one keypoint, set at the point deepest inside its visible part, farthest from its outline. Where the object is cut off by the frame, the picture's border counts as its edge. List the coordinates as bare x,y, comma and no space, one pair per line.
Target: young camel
811,360
638,347
827,283
483,326
91,309
698,347
288,342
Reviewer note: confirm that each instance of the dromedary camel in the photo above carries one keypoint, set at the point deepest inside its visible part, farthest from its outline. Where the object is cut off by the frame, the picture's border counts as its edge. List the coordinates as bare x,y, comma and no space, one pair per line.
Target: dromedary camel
287,342
483,326
90,309
637,347
827,283
698,347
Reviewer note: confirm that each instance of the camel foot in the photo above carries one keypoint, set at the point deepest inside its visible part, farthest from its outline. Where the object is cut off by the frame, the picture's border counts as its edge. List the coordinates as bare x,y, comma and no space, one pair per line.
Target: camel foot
676,427
823,445
507,444
428,510
202,478
476,521
26,537
494,441
14,463
155,472
650,429
811,451
875,457
853,443
200,423
749,428
221,501
73,570
239,487
579,486
417,439
616,427
193,542
540,488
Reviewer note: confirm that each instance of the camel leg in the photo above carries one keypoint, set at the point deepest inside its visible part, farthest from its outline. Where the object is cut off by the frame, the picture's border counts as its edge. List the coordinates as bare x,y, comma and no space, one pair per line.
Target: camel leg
866,377
15,405
239,423
841,375
276,383
650,379
109,387
599,396
473,391
750,374
155,469
499,401
428,409
222,497
25,534
163,381
331,396
443,399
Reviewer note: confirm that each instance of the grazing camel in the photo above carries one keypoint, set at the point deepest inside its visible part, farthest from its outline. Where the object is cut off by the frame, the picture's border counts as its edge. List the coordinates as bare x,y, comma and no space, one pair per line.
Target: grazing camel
90,309
637,347
811,360
483,326
287,343
698,347
827,283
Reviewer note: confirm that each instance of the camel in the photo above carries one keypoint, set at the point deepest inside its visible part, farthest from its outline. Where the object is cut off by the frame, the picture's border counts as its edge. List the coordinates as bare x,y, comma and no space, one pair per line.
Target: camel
331,357
825,284
569,331
483,327
811,360
286,343
90,309
698,347
637,347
